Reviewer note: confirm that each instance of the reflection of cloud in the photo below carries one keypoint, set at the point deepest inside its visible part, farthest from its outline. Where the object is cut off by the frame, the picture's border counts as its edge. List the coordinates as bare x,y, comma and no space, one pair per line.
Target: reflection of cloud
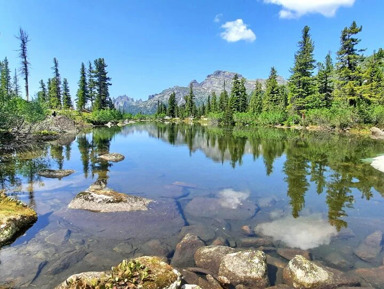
304,232
53,184
231,199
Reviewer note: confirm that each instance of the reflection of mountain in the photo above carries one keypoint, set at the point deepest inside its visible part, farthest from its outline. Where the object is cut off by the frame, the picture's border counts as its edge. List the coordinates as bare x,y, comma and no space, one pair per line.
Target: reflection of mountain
330,163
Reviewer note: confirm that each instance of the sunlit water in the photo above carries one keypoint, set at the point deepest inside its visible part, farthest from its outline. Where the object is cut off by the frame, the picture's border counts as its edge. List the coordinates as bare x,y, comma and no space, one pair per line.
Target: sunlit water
306,190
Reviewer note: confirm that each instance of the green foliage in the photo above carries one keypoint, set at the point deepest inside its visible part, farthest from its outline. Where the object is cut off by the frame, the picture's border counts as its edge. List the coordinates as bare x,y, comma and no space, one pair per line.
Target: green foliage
338,116
271,118
171,111
100,117
256,102
377,115
82,91
67,102
272,98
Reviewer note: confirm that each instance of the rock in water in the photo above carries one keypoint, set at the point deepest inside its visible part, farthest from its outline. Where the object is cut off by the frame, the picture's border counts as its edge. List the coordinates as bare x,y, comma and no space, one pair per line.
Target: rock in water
210,257
102,199
246,268
185,251
302,273
55,173
371,247
112,157
15,218
374,277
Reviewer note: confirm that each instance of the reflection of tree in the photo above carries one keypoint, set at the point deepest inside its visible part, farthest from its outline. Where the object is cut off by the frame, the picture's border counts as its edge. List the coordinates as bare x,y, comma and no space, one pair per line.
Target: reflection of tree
172,132
338,197
84,147
296,172
68,152
57,154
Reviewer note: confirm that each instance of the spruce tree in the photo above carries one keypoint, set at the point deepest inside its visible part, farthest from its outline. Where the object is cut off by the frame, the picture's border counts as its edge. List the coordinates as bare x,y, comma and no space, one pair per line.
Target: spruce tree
325,81
234,100
52,94
243,99
348,66
82,91
256,102
67,102
190,105
172,105
91,84
15,85
56,90
5,81
214,102
372,89
302,83
271,99
223,100
42,95
208,106
102,99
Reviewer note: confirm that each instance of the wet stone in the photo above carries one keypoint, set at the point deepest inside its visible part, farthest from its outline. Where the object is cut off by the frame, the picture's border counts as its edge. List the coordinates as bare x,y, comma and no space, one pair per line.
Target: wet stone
203,232
156,248
59,238
66,261
371,277
256,242
55,173
371,247
185,251
112,157
289,253
210,257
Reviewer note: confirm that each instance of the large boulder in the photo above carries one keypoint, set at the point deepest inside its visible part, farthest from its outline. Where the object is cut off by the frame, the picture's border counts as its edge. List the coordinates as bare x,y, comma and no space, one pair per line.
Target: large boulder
247,269
376,132
102,199
15,219
210,257
142,272
302,273
58,124
185,250
371,247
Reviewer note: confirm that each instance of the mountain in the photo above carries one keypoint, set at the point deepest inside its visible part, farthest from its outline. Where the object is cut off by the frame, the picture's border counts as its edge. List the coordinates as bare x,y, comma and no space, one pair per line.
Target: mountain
213,83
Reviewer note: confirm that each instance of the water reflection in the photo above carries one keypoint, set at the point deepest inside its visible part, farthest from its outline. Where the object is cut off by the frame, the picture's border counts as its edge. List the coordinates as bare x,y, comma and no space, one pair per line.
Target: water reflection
331,163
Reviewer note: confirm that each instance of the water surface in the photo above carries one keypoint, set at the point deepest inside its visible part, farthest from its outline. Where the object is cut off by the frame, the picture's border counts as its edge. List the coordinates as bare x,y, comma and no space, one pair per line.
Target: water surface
307,190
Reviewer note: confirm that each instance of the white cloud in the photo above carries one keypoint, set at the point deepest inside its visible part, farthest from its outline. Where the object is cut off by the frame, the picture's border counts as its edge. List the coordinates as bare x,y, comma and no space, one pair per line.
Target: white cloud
304,232
236,31
298,8
217,18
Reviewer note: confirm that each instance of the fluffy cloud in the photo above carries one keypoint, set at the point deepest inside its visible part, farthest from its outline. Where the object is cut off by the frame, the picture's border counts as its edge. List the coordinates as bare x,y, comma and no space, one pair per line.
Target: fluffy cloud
232,199
236,31
304,232
298,8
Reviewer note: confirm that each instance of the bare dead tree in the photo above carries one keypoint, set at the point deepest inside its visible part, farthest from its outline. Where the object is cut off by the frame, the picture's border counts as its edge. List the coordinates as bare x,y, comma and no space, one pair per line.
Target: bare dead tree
24,39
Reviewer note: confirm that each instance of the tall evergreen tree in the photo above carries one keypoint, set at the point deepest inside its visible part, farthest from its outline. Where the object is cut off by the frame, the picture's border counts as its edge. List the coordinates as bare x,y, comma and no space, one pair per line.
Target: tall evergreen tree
372,89
42,95
348,65
91,84
56,90
223,100
15,85
256,102
214,102
5,81
302,83
271,99
172,105
52,94
234,100
67,102
190,105
23,54
82,91
102,82
325,81
243,99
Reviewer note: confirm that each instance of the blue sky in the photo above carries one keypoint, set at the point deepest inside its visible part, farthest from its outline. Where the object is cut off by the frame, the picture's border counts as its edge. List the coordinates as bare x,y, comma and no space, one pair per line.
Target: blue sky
150,45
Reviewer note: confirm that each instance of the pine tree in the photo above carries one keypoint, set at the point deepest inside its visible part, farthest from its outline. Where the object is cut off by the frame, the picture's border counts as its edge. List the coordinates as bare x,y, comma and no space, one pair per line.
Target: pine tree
348,65
102,99
214,102
23,54
271,99
15,85
302,83
5,81
56,90
256,102
208,106
42,95
67,102
223,100
234,100
325,81
82,91
172,105
243,100
190,105
372,89
52,94
91,84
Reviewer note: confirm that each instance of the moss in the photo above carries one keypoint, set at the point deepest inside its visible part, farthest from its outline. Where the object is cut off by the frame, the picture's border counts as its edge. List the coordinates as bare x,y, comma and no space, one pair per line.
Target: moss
46,133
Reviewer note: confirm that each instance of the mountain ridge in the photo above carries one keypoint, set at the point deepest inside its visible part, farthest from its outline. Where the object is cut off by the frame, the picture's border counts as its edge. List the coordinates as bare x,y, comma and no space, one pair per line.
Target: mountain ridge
214,82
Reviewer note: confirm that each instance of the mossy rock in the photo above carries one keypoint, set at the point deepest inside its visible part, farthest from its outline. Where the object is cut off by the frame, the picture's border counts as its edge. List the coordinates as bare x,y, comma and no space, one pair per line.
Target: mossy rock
143,272
15,218
55,173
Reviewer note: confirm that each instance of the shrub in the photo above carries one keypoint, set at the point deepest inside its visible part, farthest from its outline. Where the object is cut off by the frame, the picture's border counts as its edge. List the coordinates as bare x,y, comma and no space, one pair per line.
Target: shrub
100,117
271,118
377,116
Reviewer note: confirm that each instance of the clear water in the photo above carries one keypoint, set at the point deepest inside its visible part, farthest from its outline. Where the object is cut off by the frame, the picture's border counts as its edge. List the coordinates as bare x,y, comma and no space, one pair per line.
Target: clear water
306,190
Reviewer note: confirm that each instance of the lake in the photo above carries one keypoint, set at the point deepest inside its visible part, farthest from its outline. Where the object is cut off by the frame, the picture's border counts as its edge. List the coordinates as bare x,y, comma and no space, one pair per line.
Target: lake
310,190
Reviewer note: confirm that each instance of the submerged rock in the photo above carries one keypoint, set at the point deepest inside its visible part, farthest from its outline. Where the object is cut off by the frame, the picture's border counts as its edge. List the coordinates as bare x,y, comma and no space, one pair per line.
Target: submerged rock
185,251
247,269
290,253
371,277
112,157
143,272
15,219
210,257
302,273
371,247
102,199
55,173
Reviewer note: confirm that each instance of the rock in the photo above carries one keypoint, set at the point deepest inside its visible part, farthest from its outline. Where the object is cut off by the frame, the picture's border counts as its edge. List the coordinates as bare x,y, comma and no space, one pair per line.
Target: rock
378,163
256,242
59,124
216,208
289,253
277,262
371,277
210,257
371,247
112,157
302,273
66,261
124,248
160,275
246,230
191,286
338,260
55,173
185,251
15,219
345,234
107,200
246,268
203,232
59,238
156,248
220,241
376,132
195,280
